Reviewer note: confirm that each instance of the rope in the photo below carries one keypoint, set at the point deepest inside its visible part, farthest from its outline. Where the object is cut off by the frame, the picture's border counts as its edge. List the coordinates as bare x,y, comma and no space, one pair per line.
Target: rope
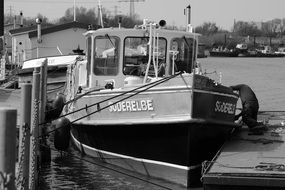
70,101
264,166
260,140
81,95
112,169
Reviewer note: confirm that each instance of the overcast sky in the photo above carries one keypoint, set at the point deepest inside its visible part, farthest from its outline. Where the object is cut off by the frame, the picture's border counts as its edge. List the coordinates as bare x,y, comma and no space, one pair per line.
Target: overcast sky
222,12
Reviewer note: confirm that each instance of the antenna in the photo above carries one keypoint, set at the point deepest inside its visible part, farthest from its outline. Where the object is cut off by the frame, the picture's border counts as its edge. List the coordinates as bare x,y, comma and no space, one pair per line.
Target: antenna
100,14
74,11
132,6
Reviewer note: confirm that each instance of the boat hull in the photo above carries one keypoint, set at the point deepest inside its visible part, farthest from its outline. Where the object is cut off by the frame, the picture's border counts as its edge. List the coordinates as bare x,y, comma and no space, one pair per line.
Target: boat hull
164,132
172,152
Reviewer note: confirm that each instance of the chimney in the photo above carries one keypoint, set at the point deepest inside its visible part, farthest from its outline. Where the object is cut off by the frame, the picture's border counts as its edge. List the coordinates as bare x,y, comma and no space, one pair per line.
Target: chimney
39,23
21,19
2,18
188,19
188,12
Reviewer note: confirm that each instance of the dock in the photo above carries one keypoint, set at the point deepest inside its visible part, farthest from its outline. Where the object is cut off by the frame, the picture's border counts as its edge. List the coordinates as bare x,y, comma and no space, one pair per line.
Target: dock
250,161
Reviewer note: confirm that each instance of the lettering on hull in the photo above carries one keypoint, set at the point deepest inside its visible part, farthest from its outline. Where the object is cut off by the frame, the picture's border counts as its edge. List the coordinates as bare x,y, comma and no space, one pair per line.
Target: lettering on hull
132,106
225,107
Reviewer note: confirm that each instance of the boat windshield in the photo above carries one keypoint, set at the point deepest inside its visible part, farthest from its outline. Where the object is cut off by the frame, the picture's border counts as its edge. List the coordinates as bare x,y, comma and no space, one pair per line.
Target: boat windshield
182,55
136,56
106,55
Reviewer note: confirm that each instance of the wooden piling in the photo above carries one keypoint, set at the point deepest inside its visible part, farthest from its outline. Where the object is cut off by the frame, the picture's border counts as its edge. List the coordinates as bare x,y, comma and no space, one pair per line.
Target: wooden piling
43,91
8,119
34,141
44,149
24,138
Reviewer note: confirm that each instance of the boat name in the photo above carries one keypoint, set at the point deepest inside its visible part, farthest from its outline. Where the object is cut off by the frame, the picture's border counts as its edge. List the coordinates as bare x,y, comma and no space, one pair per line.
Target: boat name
132,106
225,107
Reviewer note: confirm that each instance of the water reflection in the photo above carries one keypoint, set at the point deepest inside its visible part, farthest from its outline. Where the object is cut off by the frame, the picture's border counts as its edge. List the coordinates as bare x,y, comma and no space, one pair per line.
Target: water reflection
75,171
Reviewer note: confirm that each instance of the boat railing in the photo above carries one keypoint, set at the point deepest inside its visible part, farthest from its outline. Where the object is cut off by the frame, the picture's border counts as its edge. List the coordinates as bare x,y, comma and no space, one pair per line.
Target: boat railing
153,50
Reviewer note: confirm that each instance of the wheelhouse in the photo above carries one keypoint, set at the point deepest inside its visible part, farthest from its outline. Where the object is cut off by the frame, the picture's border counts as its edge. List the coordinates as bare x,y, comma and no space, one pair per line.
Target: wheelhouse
148,52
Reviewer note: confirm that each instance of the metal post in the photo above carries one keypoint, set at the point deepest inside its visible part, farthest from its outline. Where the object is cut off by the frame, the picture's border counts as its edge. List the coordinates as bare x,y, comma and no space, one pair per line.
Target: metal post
34,145
24,138
8,119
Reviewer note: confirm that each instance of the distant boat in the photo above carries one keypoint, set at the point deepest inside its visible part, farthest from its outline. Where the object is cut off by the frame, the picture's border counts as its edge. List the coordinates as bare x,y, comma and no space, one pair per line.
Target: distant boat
223,53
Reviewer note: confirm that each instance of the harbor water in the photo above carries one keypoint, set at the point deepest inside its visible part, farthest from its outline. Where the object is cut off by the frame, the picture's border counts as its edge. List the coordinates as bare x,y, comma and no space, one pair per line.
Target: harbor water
75,171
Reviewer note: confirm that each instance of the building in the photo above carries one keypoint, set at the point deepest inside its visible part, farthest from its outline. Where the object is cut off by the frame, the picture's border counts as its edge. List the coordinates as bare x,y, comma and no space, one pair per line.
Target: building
54,40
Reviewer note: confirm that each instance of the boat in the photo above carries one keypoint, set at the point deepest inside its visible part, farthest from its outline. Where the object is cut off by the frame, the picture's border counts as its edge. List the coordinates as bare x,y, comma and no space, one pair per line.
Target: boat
56,72
223,52
140,102
267,51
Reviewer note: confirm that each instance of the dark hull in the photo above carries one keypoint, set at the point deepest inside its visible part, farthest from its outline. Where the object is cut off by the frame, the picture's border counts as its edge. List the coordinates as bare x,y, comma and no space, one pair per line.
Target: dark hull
173,152
223,54
261,55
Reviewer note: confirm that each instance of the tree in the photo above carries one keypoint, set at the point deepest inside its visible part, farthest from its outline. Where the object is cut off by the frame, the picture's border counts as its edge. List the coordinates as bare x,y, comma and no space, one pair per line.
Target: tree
246,29
127,22
89,17
208,28
82,15
28,21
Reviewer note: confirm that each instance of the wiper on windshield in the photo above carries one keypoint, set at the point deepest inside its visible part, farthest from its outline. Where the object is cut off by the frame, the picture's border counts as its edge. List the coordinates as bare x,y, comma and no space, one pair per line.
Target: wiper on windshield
184,38
107,35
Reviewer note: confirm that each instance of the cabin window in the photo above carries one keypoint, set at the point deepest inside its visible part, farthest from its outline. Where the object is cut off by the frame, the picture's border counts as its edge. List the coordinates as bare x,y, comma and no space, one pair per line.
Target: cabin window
136,55
106,55
182,55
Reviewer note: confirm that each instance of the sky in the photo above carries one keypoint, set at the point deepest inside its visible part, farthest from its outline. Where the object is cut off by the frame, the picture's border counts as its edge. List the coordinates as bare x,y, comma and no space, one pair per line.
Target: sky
221,12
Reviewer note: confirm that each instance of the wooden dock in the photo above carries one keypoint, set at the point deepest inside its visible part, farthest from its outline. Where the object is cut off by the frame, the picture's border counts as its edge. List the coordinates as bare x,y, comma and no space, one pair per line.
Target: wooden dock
250,161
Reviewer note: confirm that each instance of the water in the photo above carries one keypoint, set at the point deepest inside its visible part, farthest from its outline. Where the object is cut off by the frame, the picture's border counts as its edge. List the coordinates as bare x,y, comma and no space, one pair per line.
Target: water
264,75
75,171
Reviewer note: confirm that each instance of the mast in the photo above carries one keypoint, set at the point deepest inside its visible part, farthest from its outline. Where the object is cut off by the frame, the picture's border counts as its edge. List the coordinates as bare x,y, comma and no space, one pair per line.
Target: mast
74,11
100,16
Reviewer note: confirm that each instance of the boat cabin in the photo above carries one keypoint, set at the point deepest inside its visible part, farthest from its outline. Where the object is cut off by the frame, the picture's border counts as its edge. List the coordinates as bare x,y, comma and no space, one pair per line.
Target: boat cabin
119,57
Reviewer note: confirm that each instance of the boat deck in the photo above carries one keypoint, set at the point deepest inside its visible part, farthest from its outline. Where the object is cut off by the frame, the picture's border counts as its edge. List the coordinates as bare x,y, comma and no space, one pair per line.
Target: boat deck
250,161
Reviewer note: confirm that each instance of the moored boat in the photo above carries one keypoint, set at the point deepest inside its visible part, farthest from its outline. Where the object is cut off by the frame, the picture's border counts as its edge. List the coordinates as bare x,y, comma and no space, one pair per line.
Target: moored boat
56,72
140,102
219,52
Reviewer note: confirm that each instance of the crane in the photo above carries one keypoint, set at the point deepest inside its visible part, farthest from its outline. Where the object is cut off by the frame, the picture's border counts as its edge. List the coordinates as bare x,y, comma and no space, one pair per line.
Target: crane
132,6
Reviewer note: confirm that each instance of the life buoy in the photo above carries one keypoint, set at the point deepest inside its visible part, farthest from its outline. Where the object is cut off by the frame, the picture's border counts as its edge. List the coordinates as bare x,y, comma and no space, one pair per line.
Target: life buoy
62,134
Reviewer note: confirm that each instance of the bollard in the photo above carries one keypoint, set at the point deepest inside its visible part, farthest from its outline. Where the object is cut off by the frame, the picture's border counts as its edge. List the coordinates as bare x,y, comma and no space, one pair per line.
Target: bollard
8,119
34,145
24,138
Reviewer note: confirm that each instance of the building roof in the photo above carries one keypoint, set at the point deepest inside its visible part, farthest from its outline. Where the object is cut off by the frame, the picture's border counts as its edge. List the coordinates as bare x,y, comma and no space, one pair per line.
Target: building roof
60,27
23,30
32,30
